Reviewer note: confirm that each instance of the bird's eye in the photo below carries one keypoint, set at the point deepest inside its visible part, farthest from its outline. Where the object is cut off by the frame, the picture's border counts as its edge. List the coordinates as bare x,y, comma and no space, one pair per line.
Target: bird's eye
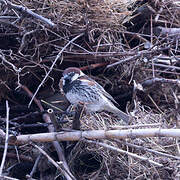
67,79
74,76
70,78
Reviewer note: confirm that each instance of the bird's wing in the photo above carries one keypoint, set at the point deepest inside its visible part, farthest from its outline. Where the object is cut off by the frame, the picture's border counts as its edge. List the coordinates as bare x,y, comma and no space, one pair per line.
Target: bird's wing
85,80
106,94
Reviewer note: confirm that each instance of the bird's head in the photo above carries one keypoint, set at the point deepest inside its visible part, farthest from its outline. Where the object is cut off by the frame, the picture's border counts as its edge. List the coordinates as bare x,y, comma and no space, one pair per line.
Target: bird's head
71,74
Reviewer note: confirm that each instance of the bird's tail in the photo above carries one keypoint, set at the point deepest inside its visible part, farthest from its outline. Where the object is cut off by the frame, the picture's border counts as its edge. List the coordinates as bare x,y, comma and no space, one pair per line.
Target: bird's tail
123,116
120,114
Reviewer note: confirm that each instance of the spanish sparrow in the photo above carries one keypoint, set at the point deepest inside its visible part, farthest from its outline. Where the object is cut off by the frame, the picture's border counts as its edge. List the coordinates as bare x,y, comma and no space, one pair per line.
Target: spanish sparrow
79,88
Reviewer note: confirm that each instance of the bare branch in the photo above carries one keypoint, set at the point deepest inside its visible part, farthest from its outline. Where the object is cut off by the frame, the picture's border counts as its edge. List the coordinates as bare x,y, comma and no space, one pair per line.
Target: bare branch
2,133
56,144
28,12
7,178
152,81
6,139
136,56
148,150
125,152
96,134
57,165
57,57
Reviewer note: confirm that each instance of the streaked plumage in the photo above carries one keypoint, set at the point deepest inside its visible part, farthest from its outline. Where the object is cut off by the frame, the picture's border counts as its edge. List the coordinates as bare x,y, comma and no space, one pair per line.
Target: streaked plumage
79,88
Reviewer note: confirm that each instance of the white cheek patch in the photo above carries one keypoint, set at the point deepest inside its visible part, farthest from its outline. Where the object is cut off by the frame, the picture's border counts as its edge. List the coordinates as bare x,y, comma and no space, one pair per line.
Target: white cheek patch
75,77
81,73
63,82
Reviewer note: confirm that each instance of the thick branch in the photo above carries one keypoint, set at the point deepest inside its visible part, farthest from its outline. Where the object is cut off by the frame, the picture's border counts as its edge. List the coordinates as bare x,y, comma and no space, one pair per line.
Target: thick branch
96,134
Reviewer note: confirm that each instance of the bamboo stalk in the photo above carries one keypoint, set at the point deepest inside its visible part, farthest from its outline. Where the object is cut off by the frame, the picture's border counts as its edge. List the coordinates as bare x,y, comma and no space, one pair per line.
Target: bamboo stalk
95,134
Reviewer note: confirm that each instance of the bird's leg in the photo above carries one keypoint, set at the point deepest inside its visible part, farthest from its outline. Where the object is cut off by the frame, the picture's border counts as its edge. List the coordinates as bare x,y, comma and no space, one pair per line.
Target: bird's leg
76,120
83,105
64,114
69,111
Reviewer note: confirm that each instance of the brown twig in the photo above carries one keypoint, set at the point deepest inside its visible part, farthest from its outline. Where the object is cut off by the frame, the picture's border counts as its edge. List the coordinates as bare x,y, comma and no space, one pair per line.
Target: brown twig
21,157
139,54
93,66
38,103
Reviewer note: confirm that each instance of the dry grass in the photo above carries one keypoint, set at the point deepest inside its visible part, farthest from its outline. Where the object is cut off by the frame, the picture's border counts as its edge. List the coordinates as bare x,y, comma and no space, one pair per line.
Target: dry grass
121,166
112,34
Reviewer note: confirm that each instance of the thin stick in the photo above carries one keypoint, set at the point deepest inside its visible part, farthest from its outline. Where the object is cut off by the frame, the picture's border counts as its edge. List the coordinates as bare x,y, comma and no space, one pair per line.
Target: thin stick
59,150
8,178
147,149
30,94
160,11
56,144
125,152
6,138
49,158
152,81
2,133
57,57
135,126
51,105
29,12
137,55
35,166
17,70
54,162
155,104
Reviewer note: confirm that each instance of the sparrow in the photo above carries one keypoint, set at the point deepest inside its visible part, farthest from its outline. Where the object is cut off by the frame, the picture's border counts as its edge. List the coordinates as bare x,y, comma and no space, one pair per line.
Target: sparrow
80,88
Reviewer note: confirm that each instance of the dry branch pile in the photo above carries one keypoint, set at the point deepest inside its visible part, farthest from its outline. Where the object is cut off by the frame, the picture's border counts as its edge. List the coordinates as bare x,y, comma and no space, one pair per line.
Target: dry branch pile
131,47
